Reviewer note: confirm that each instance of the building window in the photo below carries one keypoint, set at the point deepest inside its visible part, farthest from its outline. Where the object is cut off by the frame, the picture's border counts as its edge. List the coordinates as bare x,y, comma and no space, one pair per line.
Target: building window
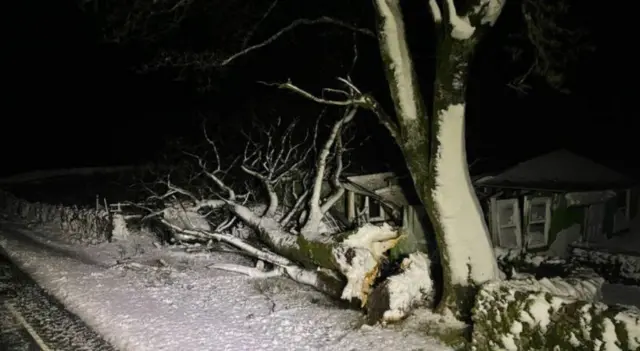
507,223
538,214
622,217
594,223
364,209
373,210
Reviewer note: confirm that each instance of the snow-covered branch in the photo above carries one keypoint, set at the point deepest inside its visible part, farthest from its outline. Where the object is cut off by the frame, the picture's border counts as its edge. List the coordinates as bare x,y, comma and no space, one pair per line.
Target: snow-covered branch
316,208
434,9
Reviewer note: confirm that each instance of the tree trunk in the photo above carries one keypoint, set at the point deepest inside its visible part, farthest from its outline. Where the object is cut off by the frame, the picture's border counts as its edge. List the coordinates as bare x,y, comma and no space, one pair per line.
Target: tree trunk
434,146
463,238
355,254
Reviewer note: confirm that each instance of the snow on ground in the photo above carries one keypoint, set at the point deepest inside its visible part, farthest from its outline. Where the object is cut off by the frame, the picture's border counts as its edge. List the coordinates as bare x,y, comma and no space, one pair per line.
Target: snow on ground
185,306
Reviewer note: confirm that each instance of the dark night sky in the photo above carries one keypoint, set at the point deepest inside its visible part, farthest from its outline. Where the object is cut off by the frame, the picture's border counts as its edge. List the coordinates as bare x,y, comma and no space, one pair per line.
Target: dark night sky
72,100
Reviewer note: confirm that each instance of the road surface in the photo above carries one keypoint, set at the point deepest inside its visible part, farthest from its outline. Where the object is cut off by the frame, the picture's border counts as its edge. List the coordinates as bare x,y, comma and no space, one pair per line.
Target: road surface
30,319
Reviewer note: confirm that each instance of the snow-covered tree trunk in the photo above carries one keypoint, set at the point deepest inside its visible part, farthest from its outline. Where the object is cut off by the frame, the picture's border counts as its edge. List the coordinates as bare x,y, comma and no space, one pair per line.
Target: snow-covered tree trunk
434,146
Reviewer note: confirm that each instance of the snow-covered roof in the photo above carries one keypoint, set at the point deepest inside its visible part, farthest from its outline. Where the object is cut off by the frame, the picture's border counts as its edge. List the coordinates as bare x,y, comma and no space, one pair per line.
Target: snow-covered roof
382,186
559,170
373,182
393,194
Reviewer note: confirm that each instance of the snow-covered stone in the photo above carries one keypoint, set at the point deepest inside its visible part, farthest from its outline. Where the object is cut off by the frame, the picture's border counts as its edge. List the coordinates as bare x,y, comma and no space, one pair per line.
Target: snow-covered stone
77,224
614,267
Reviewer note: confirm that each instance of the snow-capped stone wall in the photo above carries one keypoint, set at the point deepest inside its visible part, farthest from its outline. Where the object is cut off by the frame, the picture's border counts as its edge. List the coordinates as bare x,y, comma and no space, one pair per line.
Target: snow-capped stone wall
525,262
615,268
528,315
87,225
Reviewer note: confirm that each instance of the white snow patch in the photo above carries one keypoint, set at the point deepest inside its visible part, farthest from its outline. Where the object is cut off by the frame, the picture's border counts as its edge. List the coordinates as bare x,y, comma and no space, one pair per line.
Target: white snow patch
561,246
358,258
372,237
358,266
539,312
467,236
410,287
398,51
509,343
609,337
461,28
188,307
633,328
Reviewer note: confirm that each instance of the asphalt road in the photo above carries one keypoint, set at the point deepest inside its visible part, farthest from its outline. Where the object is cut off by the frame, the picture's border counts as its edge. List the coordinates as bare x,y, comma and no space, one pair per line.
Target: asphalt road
30,319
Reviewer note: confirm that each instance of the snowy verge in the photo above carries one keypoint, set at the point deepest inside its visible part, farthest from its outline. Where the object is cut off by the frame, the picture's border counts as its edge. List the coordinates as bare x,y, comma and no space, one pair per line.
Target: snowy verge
88,225
182,305
531,315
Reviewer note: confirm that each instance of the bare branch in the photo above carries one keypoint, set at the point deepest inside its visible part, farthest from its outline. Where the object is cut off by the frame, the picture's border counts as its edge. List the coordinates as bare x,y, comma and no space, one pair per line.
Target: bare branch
358,100
216,174
338,190
278,158
208,60
354,101
255,27
297,207
291,26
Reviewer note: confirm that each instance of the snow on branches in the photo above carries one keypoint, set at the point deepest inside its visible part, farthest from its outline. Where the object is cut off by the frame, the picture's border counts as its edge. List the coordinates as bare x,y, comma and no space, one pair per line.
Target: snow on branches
290,235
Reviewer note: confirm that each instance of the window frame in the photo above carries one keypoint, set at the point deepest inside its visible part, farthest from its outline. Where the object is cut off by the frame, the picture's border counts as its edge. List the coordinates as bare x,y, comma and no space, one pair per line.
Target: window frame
529,203
498,204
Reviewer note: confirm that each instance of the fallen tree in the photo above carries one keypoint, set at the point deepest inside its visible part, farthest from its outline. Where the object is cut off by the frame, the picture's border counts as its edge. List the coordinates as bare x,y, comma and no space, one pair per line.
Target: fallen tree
292,236
429,130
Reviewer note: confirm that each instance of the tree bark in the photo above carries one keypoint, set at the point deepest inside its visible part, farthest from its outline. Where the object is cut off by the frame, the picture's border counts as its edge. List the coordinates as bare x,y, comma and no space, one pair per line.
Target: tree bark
455,212
434,146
